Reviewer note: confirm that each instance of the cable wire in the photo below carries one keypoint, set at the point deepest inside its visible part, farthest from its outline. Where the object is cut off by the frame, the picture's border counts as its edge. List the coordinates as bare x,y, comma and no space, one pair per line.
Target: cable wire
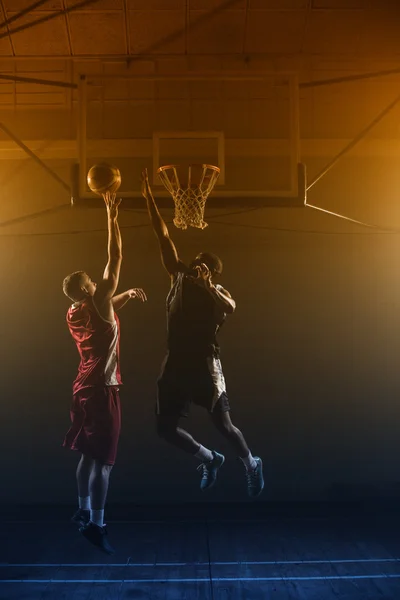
377,229
309,231
35,215
339,216
71,232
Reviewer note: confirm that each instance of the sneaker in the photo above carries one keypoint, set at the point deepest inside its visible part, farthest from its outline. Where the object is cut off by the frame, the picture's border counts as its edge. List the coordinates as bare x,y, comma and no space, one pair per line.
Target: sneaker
97,536
209,470
255,479
81,517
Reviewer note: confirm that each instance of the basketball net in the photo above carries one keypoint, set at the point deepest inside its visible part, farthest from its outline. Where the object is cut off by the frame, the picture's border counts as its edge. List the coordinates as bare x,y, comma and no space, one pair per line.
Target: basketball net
190,200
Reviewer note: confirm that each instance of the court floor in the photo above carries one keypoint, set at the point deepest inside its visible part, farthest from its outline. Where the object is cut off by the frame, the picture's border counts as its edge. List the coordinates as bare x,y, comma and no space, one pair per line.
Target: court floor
205,554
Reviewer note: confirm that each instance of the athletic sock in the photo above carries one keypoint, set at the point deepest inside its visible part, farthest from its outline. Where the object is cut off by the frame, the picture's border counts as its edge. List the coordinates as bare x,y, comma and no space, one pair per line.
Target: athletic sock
97,517
84,502
249,462
204,454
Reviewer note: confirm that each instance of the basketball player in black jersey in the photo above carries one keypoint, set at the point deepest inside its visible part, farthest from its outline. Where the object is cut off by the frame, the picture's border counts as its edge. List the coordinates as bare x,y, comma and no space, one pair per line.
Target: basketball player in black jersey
196,309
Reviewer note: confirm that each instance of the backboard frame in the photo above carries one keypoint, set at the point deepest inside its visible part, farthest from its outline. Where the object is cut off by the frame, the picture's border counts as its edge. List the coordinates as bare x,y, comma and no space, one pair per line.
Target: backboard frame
295,196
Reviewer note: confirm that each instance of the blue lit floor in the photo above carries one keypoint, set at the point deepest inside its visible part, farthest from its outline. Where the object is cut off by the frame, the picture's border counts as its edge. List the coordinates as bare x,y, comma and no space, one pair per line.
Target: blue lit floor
225,555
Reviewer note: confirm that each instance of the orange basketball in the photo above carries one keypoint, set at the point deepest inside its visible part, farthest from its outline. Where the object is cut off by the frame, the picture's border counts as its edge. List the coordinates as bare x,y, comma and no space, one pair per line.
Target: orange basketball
103,178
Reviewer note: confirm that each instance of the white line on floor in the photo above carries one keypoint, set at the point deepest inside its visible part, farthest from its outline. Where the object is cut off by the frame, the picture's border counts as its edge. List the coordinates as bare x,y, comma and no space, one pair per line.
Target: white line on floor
202,579
215,563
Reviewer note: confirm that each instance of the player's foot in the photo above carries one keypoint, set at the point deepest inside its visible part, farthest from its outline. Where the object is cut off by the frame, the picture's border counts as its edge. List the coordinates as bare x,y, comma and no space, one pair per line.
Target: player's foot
97,536
81,517
255,479
209,470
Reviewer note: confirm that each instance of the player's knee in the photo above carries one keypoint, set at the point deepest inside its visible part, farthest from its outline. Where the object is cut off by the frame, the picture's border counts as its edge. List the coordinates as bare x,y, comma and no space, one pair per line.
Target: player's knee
225,426
86,461
229,429
102,469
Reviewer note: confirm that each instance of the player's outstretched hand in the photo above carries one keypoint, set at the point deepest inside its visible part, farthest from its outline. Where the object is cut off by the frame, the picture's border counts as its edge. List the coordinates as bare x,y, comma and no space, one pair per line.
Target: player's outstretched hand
112,203
146,189
137,293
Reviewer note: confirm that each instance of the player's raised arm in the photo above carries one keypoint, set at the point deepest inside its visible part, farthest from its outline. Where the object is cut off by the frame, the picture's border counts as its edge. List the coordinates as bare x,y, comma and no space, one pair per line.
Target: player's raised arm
169,254
108,285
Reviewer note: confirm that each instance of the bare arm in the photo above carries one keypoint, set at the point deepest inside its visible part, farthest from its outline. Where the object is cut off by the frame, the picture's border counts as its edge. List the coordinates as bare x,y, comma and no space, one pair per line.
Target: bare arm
169,254
106,288
222,297
120,300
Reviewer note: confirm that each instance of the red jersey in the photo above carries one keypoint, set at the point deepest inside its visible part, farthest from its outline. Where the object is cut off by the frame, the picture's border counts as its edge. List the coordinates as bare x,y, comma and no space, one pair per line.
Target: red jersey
97,341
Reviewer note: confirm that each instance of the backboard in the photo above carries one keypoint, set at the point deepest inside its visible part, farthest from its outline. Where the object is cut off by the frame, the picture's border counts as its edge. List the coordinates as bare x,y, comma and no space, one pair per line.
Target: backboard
246,124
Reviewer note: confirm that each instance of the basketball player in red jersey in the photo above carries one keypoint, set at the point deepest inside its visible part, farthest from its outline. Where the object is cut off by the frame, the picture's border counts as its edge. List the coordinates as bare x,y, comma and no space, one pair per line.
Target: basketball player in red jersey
95,411
192,372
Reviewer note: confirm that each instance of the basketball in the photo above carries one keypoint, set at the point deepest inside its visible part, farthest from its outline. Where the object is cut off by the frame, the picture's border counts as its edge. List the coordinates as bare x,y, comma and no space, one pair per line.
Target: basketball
103,178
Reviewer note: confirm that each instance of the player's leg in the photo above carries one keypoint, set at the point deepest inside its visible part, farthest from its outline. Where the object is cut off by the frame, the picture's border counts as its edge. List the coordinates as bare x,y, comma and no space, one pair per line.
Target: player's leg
75,439
102,429
98,489
95,531
222,421
85,466
215,399
173,404
83,471
253,464
168,429
173,401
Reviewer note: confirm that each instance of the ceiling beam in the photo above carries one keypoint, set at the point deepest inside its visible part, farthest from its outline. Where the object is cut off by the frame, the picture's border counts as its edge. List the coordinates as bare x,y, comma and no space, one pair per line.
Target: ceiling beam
67,25
54,83
21,13
48,17
5,24
246,20
127,28
109,148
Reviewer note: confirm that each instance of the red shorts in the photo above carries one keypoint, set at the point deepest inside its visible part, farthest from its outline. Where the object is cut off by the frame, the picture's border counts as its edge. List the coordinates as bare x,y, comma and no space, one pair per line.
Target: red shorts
96,423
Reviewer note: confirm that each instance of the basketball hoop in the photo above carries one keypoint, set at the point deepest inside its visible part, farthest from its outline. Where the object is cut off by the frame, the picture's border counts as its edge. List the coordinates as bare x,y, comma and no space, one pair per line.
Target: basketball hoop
191,197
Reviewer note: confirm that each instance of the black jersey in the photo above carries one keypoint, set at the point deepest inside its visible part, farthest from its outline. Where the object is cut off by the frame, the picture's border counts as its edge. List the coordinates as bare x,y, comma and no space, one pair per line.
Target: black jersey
193,319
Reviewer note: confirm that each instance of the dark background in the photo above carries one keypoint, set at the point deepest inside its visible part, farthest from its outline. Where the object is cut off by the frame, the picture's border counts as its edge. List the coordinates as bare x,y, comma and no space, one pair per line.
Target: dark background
310,356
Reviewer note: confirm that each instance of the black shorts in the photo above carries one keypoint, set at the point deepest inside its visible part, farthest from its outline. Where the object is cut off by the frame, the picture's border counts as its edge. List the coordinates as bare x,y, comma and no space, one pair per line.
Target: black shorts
183,381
